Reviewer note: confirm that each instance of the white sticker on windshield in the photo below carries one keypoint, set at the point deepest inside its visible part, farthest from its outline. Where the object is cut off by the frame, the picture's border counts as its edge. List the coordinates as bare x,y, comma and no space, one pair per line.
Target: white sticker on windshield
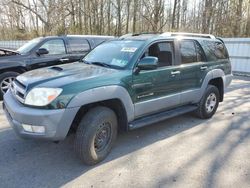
128,49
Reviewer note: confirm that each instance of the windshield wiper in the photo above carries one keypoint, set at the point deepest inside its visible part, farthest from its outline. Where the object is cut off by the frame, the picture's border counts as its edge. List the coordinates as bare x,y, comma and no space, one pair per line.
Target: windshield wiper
100,64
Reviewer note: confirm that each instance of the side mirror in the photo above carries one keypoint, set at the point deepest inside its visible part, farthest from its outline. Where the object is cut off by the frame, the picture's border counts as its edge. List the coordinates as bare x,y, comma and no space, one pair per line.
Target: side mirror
42,51
148,63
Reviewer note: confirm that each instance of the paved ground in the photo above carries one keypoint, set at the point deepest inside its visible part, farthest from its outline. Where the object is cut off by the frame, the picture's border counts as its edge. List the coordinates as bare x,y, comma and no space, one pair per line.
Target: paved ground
181,152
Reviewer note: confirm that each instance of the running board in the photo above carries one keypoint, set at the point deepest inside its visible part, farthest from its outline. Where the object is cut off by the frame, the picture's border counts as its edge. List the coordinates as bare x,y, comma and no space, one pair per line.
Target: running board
148,120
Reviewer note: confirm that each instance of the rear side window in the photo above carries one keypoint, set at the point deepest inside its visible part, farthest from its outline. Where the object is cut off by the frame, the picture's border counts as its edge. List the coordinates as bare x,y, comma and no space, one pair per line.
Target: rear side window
215,50
78,45
188,52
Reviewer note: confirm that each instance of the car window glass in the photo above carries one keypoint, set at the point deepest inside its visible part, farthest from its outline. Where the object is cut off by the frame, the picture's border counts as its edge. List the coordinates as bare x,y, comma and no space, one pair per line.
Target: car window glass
26,48
78,45
188,52
114,53
200,53
54,47
220,50
214,50
163,51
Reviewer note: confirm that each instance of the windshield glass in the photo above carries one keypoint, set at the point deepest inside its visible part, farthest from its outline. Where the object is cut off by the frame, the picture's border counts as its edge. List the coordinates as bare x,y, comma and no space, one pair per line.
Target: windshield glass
114,53
28,46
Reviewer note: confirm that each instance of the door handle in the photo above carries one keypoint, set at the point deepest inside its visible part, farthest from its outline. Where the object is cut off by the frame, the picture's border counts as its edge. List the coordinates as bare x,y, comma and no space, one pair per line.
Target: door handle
64,59
173,73
203,67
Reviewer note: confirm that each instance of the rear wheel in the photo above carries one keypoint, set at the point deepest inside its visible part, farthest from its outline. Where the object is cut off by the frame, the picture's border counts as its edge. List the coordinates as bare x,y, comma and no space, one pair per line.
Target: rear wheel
209,103
96,135
5,81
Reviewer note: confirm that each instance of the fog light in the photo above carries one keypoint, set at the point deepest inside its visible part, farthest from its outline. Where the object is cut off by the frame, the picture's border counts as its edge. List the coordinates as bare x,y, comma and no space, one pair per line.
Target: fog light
33,129
38,129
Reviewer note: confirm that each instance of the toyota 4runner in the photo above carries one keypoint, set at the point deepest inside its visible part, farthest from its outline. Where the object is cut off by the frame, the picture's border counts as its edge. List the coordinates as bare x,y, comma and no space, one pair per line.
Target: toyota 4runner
123,84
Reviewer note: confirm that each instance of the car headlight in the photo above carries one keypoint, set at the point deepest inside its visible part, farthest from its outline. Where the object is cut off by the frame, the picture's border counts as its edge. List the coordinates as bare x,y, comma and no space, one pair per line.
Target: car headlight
42,96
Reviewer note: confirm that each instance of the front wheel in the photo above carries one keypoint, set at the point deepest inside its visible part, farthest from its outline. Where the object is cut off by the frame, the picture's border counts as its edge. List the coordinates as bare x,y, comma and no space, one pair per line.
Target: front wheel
209,103
6,79
96,135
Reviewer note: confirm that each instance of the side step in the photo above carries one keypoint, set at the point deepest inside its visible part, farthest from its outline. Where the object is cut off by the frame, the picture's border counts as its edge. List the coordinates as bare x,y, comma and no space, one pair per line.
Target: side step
144,121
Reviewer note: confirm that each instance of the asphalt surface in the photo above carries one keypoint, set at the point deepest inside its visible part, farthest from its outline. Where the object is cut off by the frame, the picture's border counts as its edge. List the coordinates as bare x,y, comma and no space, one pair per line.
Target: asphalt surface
180,152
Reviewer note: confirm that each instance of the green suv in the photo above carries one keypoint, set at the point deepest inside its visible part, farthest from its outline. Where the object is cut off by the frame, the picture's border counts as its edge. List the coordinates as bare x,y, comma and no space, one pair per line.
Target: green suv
123,84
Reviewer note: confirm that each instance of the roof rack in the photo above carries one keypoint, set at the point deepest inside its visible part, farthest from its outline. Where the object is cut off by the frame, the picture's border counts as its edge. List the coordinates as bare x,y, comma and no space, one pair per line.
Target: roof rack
170,34
137,34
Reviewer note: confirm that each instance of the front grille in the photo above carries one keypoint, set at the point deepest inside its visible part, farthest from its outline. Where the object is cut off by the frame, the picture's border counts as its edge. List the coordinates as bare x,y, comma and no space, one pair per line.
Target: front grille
18,90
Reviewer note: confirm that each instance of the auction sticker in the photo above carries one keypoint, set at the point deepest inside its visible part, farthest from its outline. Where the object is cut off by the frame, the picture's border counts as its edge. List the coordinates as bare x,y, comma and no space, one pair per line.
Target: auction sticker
128,49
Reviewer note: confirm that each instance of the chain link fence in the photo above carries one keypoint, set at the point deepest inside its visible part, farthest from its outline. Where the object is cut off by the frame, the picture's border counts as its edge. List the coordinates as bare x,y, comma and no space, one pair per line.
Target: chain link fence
12,44
239,52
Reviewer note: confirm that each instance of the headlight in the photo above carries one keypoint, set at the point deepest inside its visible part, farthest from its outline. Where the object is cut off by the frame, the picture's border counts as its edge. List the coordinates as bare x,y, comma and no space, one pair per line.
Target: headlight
42,96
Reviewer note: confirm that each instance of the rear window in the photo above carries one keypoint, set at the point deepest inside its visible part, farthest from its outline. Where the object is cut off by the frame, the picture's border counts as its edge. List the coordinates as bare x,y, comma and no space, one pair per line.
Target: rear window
78,45
214,50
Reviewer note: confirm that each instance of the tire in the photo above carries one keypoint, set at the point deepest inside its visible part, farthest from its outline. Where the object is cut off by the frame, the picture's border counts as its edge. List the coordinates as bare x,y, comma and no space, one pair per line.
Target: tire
94,124
209,103
4,78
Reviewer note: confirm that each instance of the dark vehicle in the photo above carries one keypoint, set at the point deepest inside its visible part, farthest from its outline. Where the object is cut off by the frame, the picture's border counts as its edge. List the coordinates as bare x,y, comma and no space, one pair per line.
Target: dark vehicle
122,84
43,52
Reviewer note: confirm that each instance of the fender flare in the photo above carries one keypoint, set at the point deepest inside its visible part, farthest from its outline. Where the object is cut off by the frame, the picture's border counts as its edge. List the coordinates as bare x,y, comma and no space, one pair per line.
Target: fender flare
104,93
216,73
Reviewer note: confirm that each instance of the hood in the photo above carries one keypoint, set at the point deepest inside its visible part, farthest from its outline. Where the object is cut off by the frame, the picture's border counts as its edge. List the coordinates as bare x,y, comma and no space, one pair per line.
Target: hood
57,76
7,52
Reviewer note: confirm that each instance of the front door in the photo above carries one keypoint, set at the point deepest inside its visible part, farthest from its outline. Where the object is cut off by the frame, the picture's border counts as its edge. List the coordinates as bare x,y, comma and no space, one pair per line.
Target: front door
159,89
57,54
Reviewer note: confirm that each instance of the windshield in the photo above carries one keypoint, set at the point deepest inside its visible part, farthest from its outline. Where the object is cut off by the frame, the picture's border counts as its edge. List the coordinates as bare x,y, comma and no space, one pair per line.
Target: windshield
114,53
28,46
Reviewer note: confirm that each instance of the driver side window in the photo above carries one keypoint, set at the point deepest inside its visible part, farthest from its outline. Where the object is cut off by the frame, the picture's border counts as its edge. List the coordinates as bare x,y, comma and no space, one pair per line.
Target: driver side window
163,51
55,47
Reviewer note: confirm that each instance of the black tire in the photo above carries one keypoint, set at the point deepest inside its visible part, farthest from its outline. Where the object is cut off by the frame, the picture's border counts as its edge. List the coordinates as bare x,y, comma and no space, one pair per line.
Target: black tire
4,76
92,124
202,111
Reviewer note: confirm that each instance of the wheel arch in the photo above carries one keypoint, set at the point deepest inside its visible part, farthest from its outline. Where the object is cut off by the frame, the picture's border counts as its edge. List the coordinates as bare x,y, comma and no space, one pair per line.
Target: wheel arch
115,97
218,82
114,104
214,77
18,69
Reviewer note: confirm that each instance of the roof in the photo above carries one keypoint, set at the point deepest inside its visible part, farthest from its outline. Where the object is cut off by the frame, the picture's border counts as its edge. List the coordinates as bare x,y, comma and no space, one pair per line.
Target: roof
92,36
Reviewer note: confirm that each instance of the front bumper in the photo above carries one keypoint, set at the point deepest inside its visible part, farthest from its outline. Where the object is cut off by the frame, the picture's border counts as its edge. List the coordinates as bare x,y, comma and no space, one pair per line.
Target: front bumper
56,122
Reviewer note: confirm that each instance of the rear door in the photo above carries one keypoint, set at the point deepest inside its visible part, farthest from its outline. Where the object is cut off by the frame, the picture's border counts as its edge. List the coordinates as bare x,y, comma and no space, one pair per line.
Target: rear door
78,47
193,69
157,90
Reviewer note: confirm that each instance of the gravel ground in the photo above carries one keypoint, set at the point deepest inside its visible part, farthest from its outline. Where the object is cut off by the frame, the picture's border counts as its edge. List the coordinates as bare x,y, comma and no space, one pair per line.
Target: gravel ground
180,152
